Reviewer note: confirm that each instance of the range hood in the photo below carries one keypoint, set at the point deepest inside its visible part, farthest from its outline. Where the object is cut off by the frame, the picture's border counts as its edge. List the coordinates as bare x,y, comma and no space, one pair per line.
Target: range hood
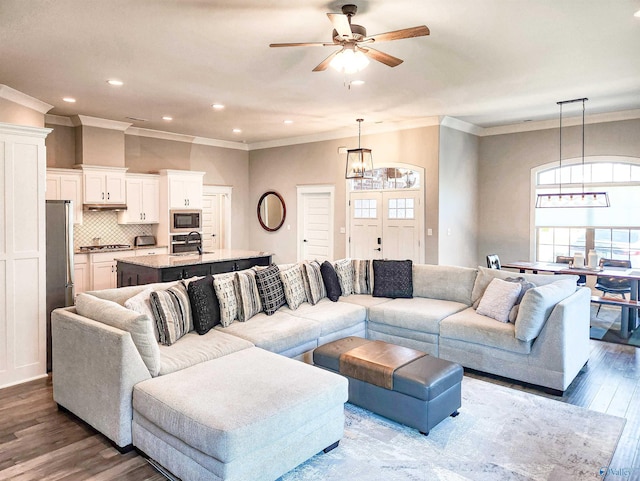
105,207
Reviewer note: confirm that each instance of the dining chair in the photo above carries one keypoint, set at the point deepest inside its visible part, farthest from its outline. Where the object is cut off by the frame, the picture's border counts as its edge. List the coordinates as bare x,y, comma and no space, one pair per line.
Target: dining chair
582,280
493,261
613,285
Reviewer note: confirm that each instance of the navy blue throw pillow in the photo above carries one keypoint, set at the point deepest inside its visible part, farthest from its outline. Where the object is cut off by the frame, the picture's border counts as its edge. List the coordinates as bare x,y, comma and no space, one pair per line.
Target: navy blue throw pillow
331,282
205,308
393,279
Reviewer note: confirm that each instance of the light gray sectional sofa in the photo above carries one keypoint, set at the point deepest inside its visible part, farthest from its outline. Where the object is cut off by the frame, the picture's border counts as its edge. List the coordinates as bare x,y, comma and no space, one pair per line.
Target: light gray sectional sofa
109,370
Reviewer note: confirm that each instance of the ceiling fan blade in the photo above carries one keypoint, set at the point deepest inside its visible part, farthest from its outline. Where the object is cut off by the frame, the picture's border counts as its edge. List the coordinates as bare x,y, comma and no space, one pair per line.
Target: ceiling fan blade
303,44
325,63
420,31
341,24
385,58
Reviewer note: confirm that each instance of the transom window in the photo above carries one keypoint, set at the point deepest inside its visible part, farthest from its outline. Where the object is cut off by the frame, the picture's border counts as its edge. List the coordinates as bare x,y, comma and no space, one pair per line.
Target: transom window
388,178
613,232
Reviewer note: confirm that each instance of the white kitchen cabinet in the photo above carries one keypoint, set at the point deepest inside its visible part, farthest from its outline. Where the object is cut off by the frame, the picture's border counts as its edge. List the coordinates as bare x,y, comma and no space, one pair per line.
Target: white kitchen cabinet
65,184
143,200
104,185
80,273
103,268
150,251
185,191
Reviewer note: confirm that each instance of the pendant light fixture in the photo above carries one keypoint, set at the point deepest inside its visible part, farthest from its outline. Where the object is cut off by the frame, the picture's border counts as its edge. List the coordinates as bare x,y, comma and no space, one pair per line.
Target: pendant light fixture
359,161
572,199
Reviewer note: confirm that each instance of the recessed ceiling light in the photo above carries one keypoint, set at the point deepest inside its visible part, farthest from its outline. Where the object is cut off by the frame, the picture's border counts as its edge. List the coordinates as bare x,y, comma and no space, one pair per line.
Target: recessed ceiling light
357,82
217,106
115,83
288,122
237,131
71,100
167,118
637,14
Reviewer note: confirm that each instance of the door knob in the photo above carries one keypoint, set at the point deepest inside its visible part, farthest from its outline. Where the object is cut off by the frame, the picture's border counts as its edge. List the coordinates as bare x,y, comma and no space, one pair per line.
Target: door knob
378,249
305,240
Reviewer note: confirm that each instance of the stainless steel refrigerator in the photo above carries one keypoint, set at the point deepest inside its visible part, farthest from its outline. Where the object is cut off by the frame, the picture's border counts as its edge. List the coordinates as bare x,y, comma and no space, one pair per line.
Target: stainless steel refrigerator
60,292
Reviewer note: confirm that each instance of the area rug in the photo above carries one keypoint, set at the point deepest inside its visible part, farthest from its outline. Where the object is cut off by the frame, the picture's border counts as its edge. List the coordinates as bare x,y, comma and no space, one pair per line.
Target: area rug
605,326
500,434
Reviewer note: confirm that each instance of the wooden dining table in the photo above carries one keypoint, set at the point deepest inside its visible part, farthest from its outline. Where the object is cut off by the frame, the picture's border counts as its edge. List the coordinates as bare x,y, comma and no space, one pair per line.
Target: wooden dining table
630,307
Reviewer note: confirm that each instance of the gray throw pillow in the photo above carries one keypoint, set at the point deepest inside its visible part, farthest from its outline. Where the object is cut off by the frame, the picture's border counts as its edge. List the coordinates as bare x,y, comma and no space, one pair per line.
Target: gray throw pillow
393,279
270,289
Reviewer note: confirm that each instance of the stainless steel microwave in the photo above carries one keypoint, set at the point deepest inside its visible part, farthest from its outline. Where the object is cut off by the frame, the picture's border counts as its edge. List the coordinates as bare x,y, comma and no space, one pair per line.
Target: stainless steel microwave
185,220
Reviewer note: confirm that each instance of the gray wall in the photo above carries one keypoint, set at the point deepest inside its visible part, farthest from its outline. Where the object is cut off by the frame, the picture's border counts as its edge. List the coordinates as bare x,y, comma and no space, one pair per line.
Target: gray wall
284,168
458,193
505,178
13,113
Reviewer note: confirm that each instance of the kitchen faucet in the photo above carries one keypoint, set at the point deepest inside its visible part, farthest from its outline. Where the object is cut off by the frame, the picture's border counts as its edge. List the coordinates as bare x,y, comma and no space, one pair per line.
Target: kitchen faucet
186,241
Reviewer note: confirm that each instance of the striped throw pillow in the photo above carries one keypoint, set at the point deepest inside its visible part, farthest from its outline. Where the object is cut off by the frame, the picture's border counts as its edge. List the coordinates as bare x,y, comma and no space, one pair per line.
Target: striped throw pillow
344,270
293,285
361,276
172,313
225,292
313,277
247,294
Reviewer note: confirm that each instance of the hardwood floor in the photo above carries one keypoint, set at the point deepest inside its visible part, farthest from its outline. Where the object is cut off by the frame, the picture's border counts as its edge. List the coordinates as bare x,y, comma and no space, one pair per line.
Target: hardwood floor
38,442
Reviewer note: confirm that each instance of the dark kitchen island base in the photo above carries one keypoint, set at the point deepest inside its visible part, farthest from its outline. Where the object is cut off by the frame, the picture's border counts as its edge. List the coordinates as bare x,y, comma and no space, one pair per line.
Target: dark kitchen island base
135,271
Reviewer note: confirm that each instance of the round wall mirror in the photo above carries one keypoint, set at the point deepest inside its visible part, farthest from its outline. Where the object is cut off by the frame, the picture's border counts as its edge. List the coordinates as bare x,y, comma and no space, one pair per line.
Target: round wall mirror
271,211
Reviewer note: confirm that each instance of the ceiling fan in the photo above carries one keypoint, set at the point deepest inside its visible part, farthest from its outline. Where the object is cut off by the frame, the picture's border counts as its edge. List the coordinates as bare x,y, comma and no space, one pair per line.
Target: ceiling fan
354,41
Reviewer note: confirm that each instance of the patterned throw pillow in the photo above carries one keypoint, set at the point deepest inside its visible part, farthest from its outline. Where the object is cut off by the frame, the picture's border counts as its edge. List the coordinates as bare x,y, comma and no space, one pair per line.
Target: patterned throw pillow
270,289
172,312
247,294
293,286
204,304
344,272
225,291
498,299
313,280
331,282
361,276
393,279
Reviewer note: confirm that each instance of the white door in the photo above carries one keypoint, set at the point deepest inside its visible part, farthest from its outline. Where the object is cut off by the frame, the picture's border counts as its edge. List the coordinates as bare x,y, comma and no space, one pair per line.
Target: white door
316,208
211,235
386,224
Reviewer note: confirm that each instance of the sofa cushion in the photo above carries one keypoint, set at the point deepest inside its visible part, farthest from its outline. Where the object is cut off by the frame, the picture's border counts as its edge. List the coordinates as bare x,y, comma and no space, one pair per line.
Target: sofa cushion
121,294
172,312
365,300
449,283
293,285
469,326
270,289
362,277
225,289
331,282
247,295
312,276
138,325
418,314
486,275
193,349
204,304
141,303
344,271
537,304
332,316
392,279
277,333
498,299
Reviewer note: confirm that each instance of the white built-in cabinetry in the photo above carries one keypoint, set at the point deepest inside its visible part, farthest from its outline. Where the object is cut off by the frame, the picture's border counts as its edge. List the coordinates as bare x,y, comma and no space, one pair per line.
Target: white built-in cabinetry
65,184
143,198
81,276
104,185
185,189
103,268
23,284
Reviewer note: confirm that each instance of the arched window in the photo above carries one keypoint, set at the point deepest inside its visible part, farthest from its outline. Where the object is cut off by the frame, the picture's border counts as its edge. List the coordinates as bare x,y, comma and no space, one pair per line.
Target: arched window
613,232
385,178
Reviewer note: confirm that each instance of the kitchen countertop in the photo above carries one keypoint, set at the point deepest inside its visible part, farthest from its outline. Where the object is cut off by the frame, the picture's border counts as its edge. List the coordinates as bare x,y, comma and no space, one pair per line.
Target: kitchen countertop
119,249
160,261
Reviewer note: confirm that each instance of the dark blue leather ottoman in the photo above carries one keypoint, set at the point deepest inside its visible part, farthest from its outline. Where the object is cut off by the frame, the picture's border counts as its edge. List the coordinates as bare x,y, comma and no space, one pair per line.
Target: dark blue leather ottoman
421,393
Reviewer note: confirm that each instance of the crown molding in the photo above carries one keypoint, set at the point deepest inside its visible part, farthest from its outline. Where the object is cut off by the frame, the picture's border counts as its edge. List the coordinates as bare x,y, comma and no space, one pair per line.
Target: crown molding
12,129
58,120
25,100
568,121
461,125
226,144
158,134
86,121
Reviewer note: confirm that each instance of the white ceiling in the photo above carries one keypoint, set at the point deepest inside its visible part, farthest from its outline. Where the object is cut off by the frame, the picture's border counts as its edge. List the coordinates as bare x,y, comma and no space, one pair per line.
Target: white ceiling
486,62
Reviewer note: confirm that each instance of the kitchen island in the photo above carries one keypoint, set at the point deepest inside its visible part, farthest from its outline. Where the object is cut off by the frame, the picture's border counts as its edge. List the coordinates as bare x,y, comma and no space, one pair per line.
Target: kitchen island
134,271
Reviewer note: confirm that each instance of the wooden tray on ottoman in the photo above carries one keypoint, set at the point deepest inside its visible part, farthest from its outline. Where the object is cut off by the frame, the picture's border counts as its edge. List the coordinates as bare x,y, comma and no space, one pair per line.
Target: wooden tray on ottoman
399,383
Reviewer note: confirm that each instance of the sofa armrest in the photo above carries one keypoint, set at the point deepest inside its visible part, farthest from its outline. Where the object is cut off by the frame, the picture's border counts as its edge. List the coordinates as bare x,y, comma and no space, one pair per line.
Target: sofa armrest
563,344
95,367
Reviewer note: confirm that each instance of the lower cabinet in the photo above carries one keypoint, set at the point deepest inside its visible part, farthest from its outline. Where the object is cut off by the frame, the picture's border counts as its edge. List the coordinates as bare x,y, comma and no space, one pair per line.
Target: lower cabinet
81,276
103,267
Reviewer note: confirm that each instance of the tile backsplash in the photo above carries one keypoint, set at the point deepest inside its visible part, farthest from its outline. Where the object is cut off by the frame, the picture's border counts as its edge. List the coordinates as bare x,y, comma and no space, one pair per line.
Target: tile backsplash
105,226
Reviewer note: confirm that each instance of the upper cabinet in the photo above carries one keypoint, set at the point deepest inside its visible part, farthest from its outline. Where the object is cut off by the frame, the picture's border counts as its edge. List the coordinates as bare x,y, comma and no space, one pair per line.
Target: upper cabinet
143,200
64,184
185,190
104,185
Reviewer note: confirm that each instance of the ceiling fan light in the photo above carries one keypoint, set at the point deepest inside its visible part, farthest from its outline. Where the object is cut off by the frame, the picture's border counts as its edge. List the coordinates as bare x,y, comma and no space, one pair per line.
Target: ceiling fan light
349,61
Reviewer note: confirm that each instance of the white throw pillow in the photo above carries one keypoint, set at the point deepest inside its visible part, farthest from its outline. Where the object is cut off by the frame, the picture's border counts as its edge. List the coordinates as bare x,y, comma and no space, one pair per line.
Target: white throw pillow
498,299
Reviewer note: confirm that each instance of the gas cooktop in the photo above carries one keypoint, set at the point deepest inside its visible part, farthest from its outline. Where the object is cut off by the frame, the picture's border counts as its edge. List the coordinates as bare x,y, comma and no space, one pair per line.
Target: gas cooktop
104,247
